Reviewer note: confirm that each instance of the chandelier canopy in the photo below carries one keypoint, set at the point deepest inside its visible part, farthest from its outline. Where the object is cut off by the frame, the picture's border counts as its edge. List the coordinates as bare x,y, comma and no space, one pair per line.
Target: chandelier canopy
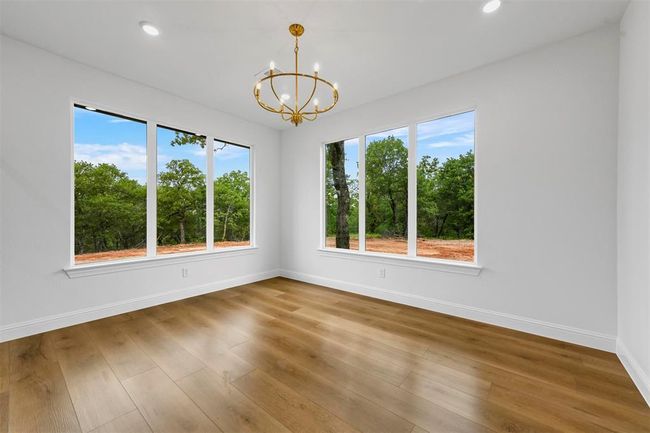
310,108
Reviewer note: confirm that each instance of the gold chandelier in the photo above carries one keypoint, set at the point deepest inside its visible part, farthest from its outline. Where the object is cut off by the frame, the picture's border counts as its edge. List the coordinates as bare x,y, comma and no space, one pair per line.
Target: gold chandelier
299,111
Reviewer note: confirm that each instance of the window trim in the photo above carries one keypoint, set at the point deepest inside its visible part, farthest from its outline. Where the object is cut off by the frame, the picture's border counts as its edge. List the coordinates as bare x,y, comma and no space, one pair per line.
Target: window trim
112,266
151,259
413,260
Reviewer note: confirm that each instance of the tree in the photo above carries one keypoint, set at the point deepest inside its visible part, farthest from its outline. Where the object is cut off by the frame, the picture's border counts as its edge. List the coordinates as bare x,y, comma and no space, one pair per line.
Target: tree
184,139
455,195
446,197
336,156
181,202
232,207
428,214
387,187
110,209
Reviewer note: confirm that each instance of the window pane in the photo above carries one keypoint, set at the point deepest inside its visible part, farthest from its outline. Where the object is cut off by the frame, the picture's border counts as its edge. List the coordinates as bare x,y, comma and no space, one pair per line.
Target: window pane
445,176
342,194
231,195
181,191
110,191
387,191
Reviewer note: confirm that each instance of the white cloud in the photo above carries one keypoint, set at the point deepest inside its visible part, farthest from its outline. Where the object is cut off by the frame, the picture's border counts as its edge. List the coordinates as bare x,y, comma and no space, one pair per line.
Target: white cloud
463,140
461,123
119,120
397,133
197,151
125,156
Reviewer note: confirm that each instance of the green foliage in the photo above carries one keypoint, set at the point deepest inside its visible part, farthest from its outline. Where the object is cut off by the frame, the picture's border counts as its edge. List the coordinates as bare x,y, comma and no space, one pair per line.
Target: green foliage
110,209
184,139
387,187
232,207
181,204
445,194
446,197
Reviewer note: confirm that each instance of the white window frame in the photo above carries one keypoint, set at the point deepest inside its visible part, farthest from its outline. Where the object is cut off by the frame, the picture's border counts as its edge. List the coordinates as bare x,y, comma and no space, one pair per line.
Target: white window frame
152,259
410,259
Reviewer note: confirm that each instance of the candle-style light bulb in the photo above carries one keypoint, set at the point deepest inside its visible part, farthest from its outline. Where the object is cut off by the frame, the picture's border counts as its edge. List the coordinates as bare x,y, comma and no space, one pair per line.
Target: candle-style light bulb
258,86
315,102
316,67
272,65
284,97
336,86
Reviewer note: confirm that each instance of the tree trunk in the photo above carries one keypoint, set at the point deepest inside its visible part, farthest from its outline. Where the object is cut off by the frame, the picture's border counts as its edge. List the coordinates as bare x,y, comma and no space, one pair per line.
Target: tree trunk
393,210
225,224
441,226
181,227
337,156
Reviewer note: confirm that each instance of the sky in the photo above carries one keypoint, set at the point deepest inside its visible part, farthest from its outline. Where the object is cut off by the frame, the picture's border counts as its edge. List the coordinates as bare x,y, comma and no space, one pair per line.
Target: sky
102,138
444,138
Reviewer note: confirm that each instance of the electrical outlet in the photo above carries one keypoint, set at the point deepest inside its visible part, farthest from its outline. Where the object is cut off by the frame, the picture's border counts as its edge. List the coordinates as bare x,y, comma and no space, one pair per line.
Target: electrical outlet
185,272
382,273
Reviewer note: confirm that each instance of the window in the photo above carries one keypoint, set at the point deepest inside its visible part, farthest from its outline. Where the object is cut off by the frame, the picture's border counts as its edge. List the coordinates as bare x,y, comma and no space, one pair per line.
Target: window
110,186
179,192
445,179
416,196
231,195
387,191
342,194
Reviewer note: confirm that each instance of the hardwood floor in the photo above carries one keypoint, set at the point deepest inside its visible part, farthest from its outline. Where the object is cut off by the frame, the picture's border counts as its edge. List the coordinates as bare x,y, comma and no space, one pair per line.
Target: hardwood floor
282,356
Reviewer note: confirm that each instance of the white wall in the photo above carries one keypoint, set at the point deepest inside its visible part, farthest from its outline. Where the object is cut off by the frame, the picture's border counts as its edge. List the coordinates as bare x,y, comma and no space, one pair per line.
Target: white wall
634,195
37,88
546,182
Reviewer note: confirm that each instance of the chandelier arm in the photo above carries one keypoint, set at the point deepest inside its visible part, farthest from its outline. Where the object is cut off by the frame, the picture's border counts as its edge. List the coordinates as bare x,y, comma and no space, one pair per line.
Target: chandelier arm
326,109
267,107
270,78
313,77
313,91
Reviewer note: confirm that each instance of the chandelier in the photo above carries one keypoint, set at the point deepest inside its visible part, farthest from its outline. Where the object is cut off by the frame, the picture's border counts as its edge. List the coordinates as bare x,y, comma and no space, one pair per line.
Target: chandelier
310,108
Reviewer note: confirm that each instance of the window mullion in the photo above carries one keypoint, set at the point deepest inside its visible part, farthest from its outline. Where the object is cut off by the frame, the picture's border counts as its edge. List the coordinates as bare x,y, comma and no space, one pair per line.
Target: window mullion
252,191
152,187
362,194
323,192
412,225
209,194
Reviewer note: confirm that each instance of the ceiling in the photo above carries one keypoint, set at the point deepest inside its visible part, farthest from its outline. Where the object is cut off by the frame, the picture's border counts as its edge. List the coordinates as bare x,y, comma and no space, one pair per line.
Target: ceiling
210,52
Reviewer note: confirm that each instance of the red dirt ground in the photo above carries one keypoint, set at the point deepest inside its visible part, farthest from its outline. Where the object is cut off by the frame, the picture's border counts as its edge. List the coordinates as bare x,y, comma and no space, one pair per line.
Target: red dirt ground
449,249
141,252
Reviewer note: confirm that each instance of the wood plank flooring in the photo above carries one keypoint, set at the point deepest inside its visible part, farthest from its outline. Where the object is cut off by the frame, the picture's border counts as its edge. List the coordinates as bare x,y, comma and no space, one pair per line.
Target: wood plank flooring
281,356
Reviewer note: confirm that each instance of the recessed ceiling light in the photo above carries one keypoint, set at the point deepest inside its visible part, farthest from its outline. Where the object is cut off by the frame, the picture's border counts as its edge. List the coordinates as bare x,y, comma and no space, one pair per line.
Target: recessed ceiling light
149,28
491,6
89,108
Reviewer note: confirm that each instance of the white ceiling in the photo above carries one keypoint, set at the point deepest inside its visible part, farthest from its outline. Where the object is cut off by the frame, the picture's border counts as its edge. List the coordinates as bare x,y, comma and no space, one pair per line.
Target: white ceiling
209,52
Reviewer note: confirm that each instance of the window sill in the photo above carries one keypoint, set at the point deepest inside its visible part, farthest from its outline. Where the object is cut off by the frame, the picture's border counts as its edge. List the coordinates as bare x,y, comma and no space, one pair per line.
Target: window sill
455,267
88,270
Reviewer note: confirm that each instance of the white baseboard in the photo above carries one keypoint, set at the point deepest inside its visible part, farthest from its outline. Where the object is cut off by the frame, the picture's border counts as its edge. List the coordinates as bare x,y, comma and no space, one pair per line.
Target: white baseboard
36,326
569,334
533,326
638,375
